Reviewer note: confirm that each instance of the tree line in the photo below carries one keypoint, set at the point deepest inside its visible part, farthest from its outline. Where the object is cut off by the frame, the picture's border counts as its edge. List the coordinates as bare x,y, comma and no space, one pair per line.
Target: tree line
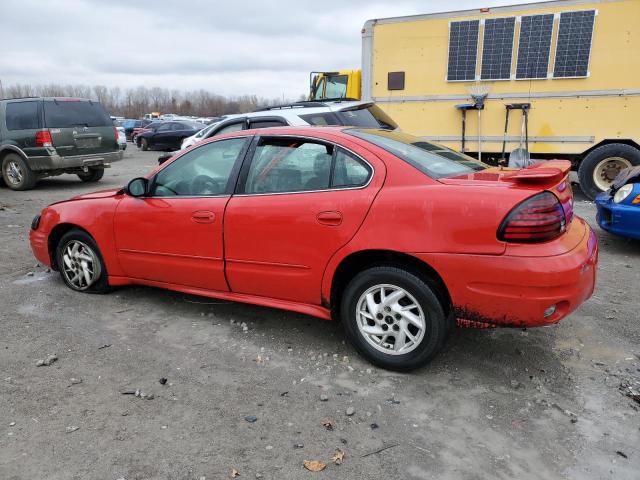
135,102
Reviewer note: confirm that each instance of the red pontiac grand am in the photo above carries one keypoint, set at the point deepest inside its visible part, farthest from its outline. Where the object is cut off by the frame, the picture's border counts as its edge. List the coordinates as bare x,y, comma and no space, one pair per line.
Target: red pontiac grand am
397,237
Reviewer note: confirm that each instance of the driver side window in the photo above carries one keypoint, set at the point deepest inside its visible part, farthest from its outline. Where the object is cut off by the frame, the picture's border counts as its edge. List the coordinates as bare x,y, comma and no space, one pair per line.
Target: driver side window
204,171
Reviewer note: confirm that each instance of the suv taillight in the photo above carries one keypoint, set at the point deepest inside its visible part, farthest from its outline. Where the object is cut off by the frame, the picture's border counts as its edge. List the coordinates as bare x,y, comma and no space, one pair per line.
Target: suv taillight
43,138
538,219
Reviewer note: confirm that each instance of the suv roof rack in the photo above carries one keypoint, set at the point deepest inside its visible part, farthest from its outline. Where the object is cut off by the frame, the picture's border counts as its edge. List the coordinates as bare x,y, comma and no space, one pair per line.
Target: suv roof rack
20,98
306,104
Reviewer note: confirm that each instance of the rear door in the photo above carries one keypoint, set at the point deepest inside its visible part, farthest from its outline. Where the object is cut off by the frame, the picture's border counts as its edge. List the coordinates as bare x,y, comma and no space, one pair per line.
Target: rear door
79,127
298,201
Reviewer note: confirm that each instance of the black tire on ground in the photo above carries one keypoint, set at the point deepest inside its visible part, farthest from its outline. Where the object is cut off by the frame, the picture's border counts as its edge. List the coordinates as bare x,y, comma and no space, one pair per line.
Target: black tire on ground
100,284
600,156
436,325
144,144
93,175
16,173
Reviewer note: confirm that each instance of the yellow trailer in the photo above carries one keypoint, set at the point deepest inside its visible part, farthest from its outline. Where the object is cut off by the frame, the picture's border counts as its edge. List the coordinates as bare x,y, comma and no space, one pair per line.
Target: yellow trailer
571,66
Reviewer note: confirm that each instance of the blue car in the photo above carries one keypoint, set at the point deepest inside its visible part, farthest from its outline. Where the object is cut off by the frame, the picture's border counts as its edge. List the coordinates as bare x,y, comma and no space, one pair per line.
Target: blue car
619,207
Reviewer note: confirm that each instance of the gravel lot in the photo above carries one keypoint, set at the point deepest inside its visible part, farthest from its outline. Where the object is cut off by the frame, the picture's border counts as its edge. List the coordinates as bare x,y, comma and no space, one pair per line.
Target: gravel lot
542,403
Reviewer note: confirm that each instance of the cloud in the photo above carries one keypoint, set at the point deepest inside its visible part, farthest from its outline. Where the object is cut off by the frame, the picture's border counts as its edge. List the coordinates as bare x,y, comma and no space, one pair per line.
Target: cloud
257,47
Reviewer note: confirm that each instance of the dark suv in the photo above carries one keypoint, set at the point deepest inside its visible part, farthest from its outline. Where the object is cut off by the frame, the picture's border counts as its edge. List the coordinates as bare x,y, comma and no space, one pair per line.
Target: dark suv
43,137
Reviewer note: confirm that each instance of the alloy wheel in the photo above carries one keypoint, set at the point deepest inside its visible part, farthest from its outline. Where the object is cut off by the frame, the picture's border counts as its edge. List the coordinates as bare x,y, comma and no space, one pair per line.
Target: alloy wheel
81,265
390,319
14,172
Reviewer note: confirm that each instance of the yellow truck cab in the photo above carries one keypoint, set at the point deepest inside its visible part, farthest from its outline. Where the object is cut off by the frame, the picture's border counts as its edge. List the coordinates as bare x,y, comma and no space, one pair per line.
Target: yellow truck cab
343,84
567,71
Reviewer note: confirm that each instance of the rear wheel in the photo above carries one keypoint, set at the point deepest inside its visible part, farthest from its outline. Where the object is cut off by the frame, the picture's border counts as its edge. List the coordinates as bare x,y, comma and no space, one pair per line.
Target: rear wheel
144,144
93,175
17,174
80,263
393,318
601,166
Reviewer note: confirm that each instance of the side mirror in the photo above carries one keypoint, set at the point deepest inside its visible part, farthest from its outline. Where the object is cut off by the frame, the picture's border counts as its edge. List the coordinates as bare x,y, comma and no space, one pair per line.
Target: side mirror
137,187
164,157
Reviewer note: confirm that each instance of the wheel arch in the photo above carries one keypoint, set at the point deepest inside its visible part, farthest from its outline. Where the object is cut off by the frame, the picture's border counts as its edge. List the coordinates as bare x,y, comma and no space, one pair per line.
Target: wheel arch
609,141
358,261
8,148
54,238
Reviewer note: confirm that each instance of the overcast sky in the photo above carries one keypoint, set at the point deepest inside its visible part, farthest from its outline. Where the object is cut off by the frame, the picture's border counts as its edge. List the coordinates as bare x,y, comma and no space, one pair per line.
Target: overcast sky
230,47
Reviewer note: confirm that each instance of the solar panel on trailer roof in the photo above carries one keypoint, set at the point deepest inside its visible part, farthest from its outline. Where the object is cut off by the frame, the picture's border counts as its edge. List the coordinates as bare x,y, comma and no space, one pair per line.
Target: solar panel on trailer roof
463,48
534,46
574,44
497,48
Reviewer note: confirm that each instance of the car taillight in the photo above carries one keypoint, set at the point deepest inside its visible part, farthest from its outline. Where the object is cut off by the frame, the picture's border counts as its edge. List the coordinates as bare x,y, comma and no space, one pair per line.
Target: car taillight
537,219
115,132
43,138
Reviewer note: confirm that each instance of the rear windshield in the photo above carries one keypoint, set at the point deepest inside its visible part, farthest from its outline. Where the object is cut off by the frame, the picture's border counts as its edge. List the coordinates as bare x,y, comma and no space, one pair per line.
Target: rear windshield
366,116
69,114
432,159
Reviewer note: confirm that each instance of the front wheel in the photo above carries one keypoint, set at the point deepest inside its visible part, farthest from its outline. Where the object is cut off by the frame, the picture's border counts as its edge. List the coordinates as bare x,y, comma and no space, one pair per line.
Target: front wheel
93,175
393,318
144,144
80,263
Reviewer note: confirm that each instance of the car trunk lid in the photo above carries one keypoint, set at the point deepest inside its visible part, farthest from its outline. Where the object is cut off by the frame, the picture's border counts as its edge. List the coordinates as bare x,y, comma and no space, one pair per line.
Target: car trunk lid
79,127
551,175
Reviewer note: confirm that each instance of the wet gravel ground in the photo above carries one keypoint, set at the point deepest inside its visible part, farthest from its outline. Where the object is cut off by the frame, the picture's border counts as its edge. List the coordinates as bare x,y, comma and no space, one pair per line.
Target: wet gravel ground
544,403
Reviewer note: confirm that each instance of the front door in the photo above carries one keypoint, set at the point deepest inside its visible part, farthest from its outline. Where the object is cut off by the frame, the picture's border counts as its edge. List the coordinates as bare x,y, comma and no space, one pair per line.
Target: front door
174,235
298,202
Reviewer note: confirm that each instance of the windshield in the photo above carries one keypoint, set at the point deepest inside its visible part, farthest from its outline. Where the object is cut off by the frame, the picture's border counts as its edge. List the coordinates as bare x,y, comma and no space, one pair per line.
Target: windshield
75,113
367,116
205,131
432,159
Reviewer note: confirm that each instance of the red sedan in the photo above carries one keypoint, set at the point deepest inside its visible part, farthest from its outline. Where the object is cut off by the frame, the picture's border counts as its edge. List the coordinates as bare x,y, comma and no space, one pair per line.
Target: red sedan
396,237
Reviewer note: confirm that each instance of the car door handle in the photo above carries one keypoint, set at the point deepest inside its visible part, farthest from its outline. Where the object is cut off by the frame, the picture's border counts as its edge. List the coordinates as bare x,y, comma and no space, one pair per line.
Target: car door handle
329,218
203,216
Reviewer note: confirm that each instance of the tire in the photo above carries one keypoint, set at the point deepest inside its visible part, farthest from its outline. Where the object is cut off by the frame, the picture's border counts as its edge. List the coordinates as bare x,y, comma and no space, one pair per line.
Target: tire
429,311
93,175
144,144
16,173
599,168
87,246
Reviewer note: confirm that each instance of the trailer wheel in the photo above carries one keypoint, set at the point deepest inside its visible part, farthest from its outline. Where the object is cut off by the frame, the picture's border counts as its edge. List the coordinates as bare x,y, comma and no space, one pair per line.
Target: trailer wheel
601,166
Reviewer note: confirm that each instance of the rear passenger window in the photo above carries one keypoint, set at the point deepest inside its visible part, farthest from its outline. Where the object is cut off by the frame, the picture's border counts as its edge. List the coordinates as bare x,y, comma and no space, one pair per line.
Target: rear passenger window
266,123
349,171
289,165
22,116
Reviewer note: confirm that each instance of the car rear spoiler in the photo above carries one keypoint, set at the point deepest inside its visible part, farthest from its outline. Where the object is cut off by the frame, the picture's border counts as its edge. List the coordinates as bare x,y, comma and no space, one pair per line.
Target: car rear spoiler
543,172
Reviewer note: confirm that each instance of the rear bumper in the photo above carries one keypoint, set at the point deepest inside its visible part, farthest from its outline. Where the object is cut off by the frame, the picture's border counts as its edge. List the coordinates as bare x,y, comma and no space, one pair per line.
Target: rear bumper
57,162
515,291
619,219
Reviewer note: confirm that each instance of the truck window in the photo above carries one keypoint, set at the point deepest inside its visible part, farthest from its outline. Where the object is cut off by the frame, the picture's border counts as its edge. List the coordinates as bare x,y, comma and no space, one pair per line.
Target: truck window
22,116
73,113
336,86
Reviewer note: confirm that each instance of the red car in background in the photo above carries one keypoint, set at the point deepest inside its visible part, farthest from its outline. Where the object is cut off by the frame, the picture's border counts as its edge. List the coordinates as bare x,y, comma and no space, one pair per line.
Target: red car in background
395,236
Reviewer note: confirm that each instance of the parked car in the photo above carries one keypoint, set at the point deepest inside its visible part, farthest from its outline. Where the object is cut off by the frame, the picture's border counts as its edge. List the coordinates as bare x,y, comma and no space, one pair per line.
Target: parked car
47,136
357,114
147,126
168,135
619,207
396,236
